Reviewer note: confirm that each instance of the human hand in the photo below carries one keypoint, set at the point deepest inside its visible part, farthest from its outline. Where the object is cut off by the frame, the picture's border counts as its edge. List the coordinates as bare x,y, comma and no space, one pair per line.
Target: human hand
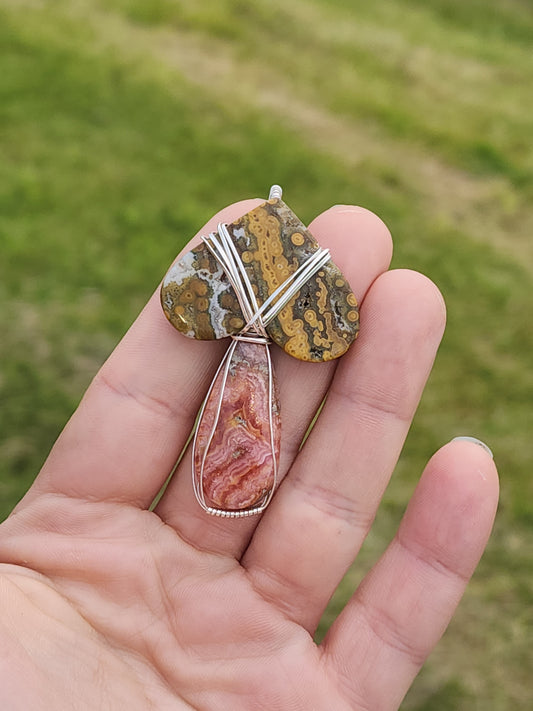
107,605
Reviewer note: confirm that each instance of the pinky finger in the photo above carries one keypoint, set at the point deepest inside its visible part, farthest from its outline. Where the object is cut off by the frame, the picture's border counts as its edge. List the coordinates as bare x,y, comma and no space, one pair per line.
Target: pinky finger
383,636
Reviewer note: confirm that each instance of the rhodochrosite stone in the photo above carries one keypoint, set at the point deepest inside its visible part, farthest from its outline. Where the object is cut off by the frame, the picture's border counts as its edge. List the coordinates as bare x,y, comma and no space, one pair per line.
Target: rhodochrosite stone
319,323
235,453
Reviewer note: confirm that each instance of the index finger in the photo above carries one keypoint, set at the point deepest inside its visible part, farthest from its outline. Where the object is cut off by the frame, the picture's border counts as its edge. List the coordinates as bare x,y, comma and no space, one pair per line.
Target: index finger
123,440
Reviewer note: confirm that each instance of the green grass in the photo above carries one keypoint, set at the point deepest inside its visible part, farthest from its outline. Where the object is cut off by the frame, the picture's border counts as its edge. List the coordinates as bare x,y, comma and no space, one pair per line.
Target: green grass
125,124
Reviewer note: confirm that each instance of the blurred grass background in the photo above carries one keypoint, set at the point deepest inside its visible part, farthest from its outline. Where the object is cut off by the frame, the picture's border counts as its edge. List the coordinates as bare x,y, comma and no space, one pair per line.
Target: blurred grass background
124,124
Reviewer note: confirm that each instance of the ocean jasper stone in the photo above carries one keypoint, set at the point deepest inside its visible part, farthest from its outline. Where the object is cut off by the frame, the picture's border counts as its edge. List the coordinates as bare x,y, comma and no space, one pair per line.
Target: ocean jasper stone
238,460
198,299
318,324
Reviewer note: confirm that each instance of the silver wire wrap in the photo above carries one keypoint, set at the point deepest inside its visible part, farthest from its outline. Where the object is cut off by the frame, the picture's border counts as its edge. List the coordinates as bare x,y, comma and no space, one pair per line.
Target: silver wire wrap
256,318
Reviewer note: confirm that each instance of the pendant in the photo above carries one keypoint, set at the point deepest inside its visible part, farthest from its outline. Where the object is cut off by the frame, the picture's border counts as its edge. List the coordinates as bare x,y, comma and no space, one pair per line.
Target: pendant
261,279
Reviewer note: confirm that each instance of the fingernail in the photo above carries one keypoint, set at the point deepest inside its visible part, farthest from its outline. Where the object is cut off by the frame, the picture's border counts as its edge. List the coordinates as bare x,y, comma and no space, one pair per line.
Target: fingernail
475,441
348,208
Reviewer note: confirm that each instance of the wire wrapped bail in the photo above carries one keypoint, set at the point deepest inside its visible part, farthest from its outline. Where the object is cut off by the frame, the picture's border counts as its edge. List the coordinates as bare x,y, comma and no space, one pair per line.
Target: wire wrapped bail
275,193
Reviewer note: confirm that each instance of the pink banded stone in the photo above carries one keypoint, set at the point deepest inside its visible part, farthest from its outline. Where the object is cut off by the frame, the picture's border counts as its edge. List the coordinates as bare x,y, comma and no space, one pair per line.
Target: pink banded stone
239,466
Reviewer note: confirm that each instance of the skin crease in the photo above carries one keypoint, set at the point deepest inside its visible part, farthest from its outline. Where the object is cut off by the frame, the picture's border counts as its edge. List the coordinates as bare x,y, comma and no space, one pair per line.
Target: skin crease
106,605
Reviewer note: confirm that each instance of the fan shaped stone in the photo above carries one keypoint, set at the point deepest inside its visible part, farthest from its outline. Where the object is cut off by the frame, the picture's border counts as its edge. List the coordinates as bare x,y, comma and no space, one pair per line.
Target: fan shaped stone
319,323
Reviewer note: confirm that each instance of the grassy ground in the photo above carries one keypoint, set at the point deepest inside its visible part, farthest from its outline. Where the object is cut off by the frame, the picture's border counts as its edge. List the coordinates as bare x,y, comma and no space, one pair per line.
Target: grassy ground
124,124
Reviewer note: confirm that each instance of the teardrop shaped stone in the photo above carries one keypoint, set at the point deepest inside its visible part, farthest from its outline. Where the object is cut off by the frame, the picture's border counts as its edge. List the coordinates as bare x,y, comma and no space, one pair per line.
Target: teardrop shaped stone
239,461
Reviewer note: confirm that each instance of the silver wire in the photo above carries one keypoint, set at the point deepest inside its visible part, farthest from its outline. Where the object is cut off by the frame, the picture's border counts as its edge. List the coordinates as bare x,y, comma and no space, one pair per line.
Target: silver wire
225,252
275,192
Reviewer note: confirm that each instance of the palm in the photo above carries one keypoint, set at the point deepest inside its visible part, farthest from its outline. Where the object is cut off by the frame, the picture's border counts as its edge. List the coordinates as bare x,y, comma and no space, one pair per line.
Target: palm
179,624
172,609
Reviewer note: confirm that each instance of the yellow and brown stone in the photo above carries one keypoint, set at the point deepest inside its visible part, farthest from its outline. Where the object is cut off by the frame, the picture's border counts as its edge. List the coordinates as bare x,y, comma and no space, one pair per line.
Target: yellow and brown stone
318,324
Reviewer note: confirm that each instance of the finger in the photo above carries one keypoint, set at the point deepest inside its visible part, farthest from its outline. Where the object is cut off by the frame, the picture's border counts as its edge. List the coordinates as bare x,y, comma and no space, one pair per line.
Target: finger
124,438
322,513
405,603
361,246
